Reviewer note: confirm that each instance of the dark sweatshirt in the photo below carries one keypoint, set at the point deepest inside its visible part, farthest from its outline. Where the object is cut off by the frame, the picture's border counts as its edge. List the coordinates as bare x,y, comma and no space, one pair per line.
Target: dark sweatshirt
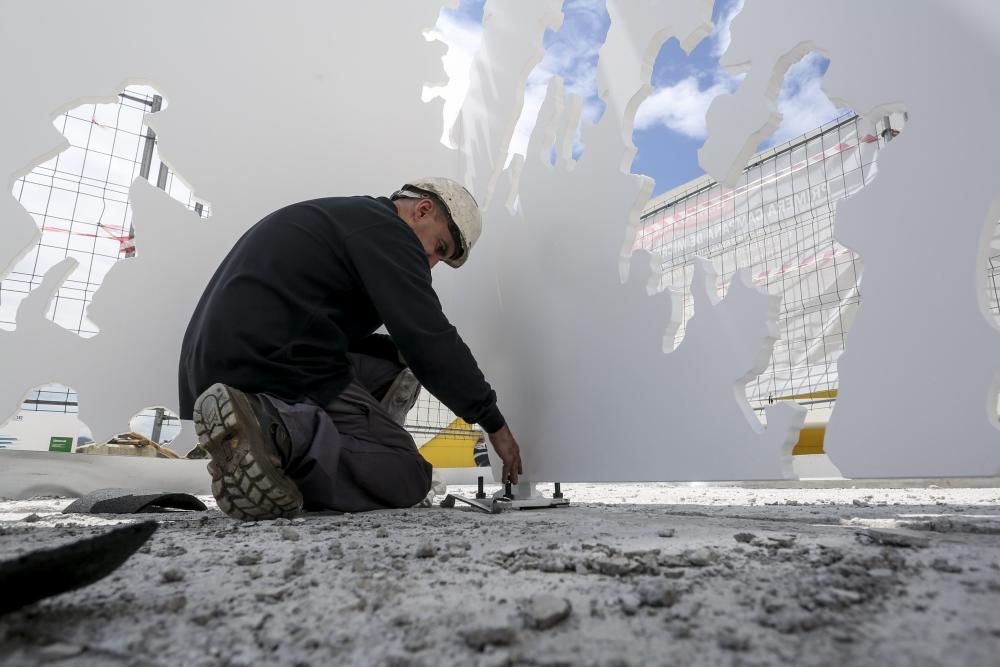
311,282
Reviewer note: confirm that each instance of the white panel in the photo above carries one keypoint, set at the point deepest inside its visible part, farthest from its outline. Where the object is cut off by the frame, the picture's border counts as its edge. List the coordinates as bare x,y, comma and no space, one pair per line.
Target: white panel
510,48
918,380
578,358
334,110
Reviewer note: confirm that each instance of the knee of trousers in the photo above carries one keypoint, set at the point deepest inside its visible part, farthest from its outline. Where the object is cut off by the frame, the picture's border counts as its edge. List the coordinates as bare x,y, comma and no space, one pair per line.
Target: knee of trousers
421,485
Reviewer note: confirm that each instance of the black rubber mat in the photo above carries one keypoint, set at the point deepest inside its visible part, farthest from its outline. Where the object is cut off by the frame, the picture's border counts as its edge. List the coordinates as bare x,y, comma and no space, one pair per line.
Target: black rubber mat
46,572
132,501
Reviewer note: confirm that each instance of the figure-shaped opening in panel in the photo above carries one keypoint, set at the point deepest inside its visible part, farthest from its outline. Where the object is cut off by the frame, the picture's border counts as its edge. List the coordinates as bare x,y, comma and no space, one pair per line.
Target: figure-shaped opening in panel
777,225
571,53
48,421
150,433
461,30
793,253
80,201
669,129
993,283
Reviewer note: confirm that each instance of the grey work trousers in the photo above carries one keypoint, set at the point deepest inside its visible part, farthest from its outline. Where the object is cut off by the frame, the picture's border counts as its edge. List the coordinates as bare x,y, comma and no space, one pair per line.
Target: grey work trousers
349,455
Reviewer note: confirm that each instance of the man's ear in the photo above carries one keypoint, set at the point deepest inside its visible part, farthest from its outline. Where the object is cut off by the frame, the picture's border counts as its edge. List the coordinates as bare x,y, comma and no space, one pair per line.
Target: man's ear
424,207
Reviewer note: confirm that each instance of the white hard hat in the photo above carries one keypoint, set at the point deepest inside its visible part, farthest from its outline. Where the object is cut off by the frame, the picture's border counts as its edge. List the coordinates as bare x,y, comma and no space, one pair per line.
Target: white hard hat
462,208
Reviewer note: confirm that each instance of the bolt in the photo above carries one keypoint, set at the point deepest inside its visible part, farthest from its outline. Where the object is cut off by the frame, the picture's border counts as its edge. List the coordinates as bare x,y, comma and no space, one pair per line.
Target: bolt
507,491
480,493
558,491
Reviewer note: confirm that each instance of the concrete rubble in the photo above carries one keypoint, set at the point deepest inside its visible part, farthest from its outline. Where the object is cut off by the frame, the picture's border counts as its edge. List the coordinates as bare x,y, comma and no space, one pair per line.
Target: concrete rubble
628,575
547,611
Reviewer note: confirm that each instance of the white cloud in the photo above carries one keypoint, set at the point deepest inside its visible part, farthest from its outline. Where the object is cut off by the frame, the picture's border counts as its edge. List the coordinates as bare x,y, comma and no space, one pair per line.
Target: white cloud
802,103
534,95
572,55
682,106
573,58
463,39
722,34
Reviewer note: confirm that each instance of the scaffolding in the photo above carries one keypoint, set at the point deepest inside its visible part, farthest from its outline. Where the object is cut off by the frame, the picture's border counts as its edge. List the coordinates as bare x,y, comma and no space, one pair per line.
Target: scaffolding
777,224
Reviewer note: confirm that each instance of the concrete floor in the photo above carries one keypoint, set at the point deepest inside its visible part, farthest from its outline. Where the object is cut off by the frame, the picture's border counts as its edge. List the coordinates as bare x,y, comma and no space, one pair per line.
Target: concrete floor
641,574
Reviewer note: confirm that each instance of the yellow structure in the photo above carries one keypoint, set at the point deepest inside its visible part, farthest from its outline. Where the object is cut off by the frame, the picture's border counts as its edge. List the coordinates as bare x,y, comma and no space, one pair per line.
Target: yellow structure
452,447
811,436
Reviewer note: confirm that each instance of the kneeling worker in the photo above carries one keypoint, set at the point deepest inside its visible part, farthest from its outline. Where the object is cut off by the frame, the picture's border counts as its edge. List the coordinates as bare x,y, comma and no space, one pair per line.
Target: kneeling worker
295,399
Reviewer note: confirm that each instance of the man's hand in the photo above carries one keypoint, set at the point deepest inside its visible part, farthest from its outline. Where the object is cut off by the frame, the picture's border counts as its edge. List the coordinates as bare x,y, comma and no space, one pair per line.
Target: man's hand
506,448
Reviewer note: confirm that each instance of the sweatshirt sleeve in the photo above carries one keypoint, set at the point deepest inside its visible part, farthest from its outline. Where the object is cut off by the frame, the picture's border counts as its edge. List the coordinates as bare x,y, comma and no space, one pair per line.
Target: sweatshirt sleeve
391,264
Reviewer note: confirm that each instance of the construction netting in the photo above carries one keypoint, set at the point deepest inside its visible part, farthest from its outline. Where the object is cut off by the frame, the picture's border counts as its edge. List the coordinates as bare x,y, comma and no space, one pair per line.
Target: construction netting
777,224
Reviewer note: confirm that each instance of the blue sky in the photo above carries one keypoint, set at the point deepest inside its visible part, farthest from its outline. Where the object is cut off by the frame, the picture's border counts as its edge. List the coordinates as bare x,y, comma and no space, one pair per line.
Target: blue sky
670,125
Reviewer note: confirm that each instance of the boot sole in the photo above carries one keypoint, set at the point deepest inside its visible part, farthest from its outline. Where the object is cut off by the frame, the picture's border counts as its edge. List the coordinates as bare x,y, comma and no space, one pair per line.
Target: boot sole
405,385
245,483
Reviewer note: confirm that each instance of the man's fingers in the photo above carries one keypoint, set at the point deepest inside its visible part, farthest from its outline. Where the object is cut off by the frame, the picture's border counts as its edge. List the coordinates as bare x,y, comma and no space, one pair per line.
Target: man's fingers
511,459
509,470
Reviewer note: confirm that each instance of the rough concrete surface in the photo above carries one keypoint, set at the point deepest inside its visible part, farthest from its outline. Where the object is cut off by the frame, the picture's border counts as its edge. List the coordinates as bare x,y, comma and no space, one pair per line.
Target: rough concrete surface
629,575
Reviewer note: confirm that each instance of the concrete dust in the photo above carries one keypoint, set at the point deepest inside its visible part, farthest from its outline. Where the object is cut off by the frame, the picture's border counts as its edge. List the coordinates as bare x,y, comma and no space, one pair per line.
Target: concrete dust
629,575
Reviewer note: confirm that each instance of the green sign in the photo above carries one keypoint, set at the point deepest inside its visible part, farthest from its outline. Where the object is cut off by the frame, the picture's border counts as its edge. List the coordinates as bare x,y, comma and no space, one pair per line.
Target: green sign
60,444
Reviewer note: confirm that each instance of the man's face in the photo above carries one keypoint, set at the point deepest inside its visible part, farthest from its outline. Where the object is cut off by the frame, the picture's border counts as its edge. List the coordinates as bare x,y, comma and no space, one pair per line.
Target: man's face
431,227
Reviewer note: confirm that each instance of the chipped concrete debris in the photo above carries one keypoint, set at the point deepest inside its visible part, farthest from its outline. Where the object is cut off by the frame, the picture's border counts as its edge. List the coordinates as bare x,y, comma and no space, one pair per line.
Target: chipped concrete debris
604,560
591,586
290,534
946,524
172,605
425,550
945,565
732,639
172,576
170,551
57,651
296,566
401,661
771,541
825,596
546,611
657,593
488,633
249,558
897,537
630,604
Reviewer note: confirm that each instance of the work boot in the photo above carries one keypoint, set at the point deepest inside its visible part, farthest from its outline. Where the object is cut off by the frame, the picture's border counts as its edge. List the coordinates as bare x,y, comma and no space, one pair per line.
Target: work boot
401,396
247,447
